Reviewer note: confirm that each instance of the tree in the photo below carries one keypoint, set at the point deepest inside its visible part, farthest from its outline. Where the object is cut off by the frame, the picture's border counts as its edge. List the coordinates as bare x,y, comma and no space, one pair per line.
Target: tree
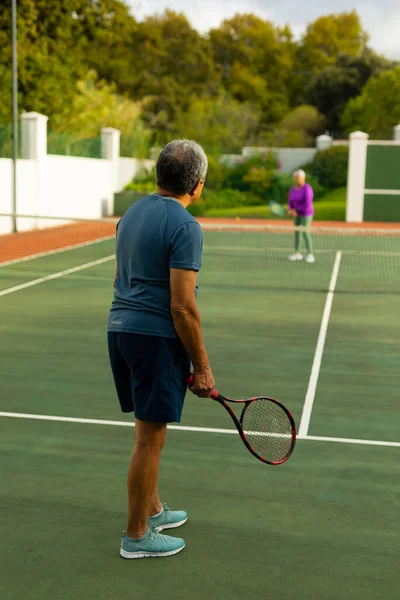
304,118
47,53
96,105
220,124
173,64
255,58
108,30
57,44
335,85
377,109
329,36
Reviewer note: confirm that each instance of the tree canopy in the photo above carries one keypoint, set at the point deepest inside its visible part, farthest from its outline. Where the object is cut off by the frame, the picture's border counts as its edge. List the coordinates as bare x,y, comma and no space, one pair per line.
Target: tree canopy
247,79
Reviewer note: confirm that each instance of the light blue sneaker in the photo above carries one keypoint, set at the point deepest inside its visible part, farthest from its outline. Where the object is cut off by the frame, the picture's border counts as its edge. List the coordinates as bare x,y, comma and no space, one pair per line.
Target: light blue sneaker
168,519
151,545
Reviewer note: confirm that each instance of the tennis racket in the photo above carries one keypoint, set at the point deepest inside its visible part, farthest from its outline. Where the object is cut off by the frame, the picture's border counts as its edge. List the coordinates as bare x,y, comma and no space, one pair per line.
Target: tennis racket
276,208
266,427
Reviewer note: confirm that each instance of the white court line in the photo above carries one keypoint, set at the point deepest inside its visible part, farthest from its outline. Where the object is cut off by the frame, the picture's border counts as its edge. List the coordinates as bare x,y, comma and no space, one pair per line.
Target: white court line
317,438
312,385
105,422
311,438
56,251
33,282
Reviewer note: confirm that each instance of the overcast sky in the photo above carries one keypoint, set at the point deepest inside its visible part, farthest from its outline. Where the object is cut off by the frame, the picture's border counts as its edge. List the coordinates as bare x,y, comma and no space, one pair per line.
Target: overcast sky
381,18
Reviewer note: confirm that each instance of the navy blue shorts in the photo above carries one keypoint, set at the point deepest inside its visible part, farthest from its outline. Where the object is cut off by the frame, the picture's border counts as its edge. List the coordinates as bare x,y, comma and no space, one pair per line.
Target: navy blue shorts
150,375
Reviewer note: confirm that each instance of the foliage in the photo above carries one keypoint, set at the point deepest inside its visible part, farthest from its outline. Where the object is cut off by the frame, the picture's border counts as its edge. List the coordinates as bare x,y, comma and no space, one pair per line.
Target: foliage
377,109
96,105
331,207
216,174
335,85
304,123
330,167
173,64
220,123
246,80
255,59
252,175
283,138
141,186
304,118
225,198
330,36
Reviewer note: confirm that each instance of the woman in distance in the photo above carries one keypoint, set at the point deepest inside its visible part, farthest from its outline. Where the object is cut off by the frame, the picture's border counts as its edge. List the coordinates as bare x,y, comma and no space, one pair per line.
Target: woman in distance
301,208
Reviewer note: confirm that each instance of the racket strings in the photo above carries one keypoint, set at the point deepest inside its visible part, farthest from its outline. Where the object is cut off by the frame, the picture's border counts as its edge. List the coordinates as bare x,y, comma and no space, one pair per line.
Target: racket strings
268,430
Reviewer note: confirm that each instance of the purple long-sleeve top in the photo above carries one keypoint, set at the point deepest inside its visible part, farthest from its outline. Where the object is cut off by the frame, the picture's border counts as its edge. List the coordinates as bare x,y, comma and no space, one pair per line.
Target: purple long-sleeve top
301,200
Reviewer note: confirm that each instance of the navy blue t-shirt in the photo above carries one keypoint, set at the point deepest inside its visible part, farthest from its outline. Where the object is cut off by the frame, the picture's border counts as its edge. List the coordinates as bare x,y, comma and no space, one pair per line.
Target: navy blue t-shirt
154,235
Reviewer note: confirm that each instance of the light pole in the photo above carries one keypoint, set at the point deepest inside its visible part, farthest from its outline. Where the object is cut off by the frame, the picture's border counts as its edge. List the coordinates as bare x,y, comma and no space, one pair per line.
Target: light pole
14,111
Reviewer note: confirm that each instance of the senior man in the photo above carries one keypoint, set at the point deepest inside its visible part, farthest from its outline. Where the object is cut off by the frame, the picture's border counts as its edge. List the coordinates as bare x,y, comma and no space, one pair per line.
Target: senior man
154,331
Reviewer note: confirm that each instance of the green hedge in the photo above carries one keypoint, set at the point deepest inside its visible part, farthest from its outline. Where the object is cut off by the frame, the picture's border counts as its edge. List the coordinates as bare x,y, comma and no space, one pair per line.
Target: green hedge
331,208
330,167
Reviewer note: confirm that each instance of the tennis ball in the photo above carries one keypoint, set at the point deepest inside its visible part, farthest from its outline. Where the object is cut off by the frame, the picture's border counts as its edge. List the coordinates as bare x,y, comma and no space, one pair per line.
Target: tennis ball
237,218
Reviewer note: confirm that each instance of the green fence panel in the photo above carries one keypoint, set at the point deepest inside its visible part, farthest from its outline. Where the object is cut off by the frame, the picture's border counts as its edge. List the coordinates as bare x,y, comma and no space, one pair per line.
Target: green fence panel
383,168
382,208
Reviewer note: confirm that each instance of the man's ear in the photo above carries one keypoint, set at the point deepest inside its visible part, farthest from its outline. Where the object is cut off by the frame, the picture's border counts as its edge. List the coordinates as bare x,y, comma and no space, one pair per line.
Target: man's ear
196,187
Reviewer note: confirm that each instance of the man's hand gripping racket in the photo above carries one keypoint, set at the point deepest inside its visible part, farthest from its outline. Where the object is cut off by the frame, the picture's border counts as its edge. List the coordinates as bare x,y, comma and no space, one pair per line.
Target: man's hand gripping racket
266,427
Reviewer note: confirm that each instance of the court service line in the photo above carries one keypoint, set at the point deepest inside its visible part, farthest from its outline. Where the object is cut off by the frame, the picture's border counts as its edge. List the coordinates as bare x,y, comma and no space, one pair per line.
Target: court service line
56,251
312,384
312,438
33,282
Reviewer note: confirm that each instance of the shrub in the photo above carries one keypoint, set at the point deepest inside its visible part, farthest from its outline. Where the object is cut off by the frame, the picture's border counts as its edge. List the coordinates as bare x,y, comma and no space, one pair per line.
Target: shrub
226,198
253,174
141,186
216,173
330,167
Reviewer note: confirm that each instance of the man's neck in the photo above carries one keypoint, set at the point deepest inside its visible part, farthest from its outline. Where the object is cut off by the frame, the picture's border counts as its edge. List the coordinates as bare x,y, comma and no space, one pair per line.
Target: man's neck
184,200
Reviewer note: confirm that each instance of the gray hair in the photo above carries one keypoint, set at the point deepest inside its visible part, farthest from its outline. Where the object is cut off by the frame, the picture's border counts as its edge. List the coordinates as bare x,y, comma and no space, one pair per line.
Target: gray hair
180,166
300,172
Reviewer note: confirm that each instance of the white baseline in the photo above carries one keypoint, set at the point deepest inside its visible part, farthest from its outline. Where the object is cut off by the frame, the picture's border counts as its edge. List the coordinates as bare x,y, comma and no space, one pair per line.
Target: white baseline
311,438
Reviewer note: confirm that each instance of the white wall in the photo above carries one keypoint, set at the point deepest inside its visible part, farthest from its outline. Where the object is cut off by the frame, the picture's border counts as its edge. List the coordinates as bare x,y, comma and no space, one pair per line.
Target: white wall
76,187
129,167
5,194
26,198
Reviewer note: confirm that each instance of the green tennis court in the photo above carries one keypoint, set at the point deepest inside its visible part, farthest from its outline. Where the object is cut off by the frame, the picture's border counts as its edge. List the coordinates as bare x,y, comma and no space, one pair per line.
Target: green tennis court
323,526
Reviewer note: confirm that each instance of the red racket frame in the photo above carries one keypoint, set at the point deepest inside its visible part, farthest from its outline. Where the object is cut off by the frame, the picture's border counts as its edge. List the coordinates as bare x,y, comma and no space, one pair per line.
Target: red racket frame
238,422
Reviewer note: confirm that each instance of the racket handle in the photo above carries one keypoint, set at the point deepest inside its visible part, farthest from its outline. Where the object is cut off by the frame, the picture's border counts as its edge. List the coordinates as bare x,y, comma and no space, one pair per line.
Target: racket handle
214,394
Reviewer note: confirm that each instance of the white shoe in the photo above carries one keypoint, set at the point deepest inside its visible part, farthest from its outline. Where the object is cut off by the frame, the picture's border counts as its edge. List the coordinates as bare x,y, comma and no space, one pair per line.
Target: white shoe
310,258
296,256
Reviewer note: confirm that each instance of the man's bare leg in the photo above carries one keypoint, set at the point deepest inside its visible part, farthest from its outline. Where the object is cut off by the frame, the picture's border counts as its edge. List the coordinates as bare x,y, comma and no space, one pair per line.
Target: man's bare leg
155,503
143,475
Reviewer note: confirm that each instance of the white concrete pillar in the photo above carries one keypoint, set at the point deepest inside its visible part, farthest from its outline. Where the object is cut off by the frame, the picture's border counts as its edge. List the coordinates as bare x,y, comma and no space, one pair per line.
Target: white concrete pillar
34,148
356,176
33,135
110,142
110,150
396,133
323,142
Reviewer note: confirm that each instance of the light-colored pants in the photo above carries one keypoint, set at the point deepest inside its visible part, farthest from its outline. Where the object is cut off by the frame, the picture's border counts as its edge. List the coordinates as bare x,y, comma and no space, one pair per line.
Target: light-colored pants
303,222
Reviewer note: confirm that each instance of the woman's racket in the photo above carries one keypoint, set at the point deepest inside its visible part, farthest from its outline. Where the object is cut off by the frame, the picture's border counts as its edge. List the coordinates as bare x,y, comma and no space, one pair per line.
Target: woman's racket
266,427
276,208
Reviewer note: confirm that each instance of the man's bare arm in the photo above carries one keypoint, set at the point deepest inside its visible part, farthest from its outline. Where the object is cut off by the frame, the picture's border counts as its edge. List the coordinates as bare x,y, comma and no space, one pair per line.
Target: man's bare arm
187,322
